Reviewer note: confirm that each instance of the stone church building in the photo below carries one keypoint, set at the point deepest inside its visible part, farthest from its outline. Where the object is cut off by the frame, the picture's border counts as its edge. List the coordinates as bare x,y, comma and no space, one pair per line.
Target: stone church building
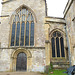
31,41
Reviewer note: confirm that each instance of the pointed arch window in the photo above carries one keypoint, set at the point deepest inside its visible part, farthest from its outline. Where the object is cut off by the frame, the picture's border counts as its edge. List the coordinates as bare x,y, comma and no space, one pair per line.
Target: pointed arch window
22,28
57,41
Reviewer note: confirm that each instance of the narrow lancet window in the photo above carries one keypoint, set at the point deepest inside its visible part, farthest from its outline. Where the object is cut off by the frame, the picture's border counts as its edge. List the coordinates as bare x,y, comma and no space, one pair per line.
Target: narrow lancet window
17,34
32,34
22,34
53,47
27,34
62,47
57,47
13,34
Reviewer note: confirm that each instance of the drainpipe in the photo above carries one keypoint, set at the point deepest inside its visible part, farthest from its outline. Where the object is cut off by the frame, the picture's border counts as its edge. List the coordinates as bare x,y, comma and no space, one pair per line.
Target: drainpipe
69,52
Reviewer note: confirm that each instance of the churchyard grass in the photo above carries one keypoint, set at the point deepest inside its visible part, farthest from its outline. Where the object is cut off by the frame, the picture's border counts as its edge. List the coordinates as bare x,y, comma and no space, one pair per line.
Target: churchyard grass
57,72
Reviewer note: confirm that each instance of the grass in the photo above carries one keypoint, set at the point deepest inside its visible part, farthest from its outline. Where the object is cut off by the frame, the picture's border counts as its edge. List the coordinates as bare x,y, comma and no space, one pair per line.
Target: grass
56,72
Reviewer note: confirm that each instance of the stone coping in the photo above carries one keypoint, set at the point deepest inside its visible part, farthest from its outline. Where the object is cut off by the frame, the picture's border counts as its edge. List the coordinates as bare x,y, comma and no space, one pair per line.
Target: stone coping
23,47
54,17
55,20
4,16
68,5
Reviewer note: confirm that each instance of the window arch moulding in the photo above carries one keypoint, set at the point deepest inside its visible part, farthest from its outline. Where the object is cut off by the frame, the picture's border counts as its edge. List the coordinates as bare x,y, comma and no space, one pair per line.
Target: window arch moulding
20,7
22,27
57,39
59,30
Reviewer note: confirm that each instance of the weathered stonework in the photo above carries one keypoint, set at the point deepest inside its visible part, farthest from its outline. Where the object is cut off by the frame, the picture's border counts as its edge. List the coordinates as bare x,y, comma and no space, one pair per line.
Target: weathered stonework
53,24
37,61
39,56
39,25
70,23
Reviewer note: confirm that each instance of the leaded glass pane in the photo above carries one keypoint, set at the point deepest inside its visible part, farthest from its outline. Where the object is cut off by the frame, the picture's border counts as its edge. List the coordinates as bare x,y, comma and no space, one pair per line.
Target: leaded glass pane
54,34
24,17
27,34
23,11
53,47
22,34
58,34
18,19
32,19
13,34
62,47
32,34
27,12
15,18
28,18
17,34
57,47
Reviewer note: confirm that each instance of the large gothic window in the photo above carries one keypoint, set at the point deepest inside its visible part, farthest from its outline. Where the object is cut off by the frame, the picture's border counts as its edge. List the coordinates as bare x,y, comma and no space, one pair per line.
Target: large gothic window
57,45
22,28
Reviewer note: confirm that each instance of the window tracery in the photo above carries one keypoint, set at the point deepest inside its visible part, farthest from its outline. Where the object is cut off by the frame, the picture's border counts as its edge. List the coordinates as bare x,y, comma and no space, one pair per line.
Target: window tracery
22,30
57,41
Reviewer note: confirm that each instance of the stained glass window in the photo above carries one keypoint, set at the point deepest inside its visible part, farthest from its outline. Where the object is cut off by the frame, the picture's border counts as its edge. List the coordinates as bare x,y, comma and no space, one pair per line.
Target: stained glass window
22,33
57,45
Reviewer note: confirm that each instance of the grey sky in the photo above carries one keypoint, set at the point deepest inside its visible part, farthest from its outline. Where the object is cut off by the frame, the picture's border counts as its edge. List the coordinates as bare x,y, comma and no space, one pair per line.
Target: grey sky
55,7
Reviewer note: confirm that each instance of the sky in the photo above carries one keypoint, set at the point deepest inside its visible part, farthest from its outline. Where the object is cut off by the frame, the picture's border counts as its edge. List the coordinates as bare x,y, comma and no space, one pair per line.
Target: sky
55,7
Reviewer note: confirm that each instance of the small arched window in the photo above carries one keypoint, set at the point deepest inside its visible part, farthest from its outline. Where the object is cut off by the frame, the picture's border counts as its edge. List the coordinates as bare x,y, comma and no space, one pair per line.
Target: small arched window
57,41
22,28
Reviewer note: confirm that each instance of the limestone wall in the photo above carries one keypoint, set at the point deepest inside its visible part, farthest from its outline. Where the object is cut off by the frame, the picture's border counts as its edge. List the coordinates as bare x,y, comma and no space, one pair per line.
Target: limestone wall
9,7
35,63
54,24
70,22
4,60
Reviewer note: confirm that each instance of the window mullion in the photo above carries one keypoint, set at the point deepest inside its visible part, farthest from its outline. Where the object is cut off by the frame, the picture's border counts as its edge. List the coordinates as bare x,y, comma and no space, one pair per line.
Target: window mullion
20,32
10,34
20,28
25,27
55,48
64,47
29,31
15,33
25,32
51,48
